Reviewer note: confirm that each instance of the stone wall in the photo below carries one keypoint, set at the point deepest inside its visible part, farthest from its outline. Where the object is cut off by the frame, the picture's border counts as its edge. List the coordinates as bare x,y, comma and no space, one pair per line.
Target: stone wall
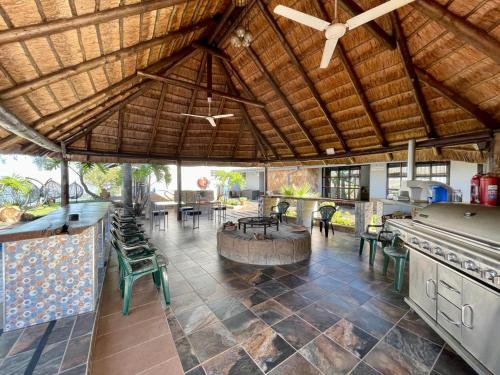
277,178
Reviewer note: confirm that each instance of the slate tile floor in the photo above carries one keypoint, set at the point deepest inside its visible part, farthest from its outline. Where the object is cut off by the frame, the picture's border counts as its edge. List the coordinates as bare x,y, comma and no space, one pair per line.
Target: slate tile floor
330,315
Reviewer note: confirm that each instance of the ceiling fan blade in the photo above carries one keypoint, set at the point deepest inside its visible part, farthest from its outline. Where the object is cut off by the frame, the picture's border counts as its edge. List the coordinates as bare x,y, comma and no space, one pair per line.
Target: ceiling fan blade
223,116
328,52
190,115
303,18
211,121
376,12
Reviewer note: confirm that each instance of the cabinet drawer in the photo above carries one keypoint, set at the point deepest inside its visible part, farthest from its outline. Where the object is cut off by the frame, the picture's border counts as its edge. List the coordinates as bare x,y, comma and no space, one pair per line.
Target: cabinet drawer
450,285
448,317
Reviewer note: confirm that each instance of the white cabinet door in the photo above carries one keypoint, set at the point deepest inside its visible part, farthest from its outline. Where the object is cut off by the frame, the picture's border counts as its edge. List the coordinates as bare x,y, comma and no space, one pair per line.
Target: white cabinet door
480,326
423,276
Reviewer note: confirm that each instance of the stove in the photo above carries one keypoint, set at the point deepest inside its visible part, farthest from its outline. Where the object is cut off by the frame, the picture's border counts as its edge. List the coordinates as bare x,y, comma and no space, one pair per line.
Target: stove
465,237
454,282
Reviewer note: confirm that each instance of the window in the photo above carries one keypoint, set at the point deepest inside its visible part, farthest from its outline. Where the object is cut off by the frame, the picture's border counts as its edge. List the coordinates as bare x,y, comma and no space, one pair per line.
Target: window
424,171
341,182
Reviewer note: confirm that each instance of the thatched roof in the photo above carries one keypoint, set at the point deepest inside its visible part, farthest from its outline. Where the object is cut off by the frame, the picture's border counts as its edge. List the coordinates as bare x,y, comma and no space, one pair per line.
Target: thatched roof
69,70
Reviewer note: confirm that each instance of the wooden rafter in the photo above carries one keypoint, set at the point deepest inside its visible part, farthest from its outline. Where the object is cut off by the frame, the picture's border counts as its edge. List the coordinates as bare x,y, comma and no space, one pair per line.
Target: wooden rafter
458,100
270,80
88,65
412,76
11,123
260,139
26,32
121,125
211,50
191,103
461,28
234,73
192,86
477,137
298,66
240,132
214,130
156,121
354,9
361,95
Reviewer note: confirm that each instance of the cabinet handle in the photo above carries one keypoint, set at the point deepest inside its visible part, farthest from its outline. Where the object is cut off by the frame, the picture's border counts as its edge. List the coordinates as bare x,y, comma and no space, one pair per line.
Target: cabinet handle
448,286
446,317
471,315
427,288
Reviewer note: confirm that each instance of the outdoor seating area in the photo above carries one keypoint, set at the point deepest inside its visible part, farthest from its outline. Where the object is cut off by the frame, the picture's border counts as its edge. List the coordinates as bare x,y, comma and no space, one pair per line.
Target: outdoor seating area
249,187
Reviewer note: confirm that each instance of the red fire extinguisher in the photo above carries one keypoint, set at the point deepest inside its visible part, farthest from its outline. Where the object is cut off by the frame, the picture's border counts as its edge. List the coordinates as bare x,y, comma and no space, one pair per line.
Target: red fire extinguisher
488,190
475,189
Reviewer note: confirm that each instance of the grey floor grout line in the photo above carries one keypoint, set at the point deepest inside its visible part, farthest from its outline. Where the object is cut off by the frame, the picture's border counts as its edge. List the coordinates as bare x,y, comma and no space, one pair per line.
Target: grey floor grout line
67,344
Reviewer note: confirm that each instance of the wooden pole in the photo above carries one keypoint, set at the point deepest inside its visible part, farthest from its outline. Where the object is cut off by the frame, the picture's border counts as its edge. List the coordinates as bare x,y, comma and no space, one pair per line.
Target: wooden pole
270,80
156,121
64,182
179,190
412,76
266,177
11,123
190,85
460,27
303,74
21,33
127,185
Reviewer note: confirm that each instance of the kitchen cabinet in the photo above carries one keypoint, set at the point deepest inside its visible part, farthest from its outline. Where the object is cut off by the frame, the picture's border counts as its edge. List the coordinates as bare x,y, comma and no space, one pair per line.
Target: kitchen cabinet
423,276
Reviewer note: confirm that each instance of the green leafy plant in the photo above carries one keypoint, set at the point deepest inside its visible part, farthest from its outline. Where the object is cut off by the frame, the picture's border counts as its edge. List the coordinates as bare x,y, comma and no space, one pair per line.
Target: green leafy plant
302,191
15,190
343,218
230,179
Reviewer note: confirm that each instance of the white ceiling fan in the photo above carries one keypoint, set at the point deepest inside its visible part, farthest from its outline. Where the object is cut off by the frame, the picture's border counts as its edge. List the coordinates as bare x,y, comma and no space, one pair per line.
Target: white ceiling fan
211,119
335,30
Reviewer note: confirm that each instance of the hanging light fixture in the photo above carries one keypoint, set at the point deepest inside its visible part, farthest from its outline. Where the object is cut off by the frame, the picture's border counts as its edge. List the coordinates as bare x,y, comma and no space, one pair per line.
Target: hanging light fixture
240,3
242,37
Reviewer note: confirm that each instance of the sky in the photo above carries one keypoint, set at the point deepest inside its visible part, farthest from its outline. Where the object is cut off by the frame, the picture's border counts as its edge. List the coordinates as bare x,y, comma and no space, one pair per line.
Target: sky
23,166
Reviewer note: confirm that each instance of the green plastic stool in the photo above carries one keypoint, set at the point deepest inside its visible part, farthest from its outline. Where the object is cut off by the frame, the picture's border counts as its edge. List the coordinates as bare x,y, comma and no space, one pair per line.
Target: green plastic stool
372,238
399,255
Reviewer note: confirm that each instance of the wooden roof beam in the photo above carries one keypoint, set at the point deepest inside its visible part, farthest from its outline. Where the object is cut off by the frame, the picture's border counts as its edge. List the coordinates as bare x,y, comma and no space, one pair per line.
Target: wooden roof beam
298,66
270,80
191,103
412,76
211,50
460,101
361,95
190,85
214,130
156,121
460,27
354,9
11,123
119,134
234,73
26,32
85,66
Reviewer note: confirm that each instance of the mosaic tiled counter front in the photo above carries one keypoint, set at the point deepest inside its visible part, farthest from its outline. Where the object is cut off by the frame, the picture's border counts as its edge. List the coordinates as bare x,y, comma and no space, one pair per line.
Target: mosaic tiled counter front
51,267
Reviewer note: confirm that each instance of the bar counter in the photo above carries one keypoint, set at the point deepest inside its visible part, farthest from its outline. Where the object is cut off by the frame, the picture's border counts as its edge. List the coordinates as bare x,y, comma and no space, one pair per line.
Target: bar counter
52,267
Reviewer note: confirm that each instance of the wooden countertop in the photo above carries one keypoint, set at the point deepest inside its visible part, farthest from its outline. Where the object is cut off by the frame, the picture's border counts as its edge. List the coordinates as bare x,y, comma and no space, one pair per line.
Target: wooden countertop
57,222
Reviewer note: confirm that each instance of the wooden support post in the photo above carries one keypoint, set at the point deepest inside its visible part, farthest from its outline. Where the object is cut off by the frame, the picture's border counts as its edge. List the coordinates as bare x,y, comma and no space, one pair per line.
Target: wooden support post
460,27
412,76
209,76
266,177
64,182
11,123
179,190
214,130
190,85
127,185
270,80
121,123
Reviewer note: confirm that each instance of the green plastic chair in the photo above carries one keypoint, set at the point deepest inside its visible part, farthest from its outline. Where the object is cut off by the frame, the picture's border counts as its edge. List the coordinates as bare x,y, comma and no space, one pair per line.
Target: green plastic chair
279,211
399,254
133,266
372,238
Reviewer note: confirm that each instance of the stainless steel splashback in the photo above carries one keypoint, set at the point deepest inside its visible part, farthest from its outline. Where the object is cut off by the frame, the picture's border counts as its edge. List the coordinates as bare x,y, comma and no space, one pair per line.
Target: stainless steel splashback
481,223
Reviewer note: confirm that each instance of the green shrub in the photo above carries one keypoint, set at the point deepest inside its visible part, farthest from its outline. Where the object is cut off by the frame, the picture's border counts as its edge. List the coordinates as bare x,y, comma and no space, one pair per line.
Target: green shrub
303,191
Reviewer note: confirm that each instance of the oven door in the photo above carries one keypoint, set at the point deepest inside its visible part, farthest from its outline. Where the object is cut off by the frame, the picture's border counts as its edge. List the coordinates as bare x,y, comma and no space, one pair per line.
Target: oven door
480,325
423,276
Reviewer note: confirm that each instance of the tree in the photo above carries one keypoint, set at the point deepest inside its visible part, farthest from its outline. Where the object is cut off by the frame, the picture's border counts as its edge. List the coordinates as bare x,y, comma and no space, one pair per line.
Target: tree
108,179
142,174
15,190
230,179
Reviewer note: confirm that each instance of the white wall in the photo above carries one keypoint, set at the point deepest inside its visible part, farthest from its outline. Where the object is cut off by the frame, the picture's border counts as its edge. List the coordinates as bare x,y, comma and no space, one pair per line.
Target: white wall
253,181
378,180
460,176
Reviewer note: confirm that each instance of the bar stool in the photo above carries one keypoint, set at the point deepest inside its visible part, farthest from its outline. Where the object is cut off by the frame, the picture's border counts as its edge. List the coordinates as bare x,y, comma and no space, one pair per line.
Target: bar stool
157,214
195,213
399,255
220,209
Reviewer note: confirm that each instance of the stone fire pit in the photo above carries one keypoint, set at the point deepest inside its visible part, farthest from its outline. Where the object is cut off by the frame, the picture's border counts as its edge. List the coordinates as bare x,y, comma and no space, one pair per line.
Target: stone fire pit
283,246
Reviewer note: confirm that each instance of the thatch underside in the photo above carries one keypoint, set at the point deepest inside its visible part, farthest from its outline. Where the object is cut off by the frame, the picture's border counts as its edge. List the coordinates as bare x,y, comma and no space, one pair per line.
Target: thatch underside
79,84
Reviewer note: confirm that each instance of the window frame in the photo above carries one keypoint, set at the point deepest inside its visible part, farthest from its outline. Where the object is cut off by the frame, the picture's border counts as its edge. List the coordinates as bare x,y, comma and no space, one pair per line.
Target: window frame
425,177
345,188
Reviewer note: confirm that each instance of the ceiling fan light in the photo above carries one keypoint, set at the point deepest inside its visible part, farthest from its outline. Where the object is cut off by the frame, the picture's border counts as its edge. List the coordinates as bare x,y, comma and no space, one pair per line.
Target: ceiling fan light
248,37
245,43
235,41
240,32
240,3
